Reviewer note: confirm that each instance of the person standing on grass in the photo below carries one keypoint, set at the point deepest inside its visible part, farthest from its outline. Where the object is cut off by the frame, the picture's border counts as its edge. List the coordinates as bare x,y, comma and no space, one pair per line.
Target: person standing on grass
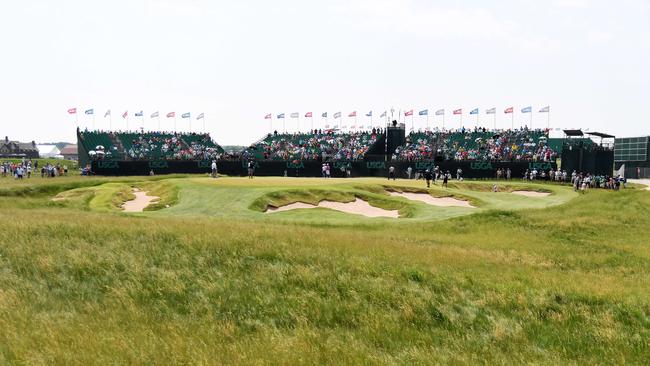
251,169
508,174
214,168
459,174
445,179
409,171
391,172
427,177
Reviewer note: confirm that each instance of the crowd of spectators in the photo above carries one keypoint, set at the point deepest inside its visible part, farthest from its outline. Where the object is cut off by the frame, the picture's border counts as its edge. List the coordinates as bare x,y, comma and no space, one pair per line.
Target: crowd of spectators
315,145
25,169
478,144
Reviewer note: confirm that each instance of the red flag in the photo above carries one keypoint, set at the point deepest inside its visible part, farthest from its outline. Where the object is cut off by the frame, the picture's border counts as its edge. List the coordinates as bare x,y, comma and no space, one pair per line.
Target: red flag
308,114
125,114
268,116
408,113
72,111
171,114
353,114
458,111
508,110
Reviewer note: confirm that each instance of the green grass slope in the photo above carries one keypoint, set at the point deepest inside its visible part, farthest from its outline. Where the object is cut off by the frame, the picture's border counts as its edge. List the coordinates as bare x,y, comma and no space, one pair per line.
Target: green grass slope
561,281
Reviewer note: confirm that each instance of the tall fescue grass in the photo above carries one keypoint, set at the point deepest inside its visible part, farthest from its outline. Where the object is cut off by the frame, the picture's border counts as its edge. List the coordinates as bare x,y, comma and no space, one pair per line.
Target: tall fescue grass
563,285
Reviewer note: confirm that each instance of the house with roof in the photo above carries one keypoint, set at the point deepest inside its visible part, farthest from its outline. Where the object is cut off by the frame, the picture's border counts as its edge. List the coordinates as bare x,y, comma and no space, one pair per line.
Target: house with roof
16,149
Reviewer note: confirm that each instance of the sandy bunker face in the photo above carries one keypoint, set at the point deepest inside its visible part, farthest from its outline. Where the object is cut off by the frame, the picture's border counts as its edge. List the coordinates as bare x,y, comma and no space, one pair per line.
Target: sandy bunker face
141,201
357,207
434,201
531,193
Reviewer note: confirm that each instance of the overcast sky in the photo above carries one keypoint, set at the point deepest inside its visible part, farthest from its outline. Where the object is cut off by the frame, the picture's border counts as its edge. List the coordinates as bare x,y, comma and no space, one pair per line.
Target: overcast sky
236,61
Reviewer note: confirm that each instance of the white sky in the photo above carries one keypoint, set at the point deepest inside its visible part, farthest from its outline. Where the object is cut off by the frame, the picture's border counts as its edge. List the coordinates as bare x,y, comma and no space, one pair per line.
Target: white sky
239,60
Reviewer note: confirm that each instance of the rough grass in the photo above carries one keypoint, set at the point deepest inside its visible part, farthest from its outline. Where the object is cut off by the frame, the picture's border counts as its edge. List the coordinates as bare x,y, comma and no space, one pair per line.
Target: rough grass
567,284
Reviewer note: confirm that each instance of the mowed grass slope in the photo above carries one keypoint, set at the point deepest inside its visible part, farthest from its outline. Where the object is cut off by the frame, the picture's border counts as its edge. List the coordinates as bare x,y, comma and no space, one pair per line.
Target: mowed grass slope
564,284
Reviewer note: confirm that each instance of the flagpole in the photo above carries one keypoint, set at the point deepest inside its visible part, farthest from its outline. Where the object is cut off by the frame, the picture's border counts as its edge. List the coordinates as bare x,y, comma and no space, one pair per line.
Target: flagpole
203,120
110,121
158,121
93,119
443,120
513,119
189,116
312,121
174,122
548,118
495,120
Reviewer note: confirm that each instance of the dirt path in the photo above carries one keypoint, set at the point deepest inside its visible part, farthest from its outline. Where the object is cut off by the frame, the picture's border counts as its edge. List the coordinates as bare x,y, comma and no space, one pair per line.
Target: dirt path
141,201
645,182
434,201
357,207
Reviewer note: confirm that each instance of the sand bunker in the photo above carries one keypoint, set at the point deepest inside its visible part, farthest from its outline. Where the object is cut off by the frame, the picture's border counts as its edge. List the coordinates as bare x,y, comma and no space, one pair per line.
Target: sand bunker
140,202
357,207
531,193
434,201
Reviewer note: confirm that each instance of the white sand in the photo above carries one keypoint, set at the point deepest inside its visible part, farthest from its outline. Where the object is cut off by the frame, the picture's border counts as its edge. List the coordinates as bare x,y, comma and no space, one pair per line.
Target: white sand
531,193
357,207
140,202
434,201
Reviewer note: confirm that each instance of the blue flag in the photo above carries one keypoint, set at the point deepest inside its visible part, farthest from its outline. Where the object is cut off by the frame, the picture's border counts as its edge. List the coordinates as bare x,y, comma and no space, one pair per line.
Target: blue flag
369,114
139,114
424,112
281,115
527,110
185,115
324,115
90,111
474,111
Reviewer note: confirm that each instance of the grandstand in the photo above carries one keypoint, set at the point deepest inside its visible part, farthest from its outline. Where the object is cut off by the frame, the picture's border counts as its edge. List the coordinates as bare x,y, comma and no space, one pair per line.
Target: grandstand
316,145
477,145
145,146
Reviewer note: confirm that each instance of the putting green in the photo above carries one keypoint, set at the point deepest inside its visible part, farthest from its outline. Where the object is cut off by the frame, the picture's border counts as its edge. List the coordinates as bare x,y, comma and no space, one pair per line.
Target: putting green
243,198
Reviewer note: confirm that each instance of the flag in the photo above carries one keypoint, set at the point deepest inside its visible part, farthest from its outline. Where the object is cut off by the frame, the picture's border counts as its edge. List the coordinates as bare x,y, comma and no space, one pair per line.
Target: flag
337,115
201,116
308,114
491,111
171,114
369,114
474,111
424,112
185,115
155,114
408,113
90,111
383,115
440,112
268,116
458,111
546,109
324,115
125,114
108,113
509,110
527,110
353,114
295,115
139,114
72,111
281,115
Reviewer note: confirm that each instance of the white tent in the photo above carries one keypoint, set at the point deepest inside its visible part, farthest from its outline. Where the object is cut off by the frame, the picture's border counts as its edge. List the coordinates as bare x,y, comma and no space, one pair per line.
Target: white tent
48,151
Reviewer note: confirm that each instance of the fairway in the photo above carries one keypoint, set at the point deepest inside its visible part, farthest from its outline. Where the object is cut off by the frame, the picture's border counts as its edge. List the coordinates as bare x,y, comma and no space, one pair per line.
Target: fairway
205,276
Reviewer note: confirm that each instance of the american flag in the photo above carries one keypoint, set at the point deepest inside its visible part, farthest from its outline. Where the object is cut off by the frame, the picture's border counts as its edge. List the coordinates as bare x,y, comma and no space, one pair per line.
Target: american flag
171,114
458,111
508,110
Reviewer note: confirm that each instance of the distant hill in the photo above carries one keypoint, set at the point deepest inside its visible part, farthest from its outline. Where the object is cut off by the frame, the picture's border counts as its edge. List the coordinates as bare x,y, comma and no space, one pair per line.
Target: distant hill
59,145
233,148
